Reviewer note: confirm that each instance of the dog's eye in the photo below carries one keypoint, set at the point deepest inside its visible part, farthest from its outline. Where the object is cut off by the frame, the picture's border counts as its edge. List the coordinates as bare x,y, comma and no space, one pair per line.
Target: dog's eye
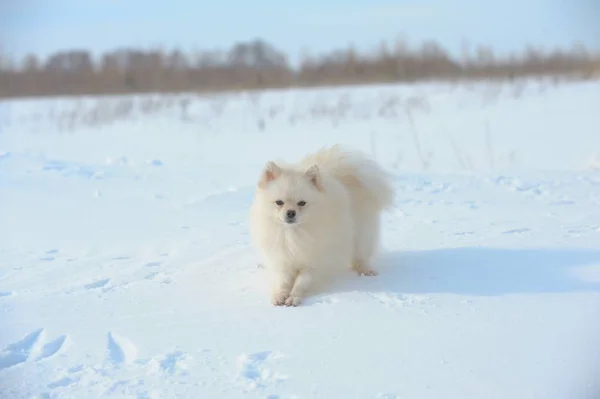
301,203
279,202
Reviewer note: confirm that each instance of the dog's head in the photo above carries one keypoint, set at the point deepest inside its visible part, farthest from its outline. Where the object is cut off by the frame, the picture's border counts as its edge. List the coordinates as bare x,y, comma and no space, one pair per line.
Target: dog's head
290,196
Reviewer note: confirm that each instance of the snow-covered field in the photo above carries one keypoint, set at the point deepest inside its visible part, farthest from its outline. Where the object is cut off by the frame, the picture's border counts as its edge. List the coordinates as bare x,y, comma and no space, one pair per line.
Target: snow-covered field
126,269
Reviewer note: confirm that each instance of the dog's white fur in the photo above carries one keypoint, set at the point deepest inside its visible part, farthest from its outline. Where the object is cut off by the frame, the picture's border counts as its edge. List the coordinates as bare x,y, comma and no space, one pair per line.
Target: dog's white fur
338,227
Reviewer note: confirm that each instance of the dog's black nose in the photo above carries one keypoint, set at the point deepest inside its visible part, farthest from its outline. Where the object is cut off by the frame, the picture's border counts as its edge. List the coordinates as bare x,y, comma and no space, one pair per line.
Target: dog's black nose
290,214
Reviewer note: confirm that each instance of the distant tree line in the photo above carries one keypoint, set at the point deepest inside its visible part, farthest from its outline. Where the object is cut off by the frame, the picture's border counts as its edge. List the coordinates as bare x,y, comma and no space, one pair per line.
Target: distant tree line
258,65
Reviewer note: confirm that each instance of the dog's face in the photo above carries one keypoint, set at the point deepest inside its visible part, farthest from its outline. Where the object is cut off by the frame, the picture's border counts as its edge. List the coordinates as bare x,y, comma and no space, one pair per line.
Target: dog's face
289,196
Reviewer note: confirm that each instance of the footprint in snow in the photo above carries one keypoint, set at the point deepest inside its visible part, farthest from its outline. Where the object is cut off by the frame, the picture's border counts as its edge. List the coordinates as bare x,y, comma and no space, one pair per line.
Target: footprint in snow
174,362
76,369
49,255
30,348
152,275
159,277
253,370
52,348
63,382
120,350
18,352
97,284
171,363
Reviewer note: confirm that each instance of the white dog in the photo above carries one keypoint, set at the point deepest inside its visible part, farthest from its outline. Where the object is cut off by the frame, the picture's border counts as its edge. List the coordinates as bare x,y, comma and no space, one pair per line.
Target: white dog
316,217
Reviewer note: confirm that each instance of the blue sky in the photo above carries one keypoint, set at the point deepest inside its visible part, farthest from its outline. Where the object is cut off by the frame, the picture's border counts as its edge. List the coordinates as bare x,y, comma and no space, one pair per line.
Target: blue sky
46,26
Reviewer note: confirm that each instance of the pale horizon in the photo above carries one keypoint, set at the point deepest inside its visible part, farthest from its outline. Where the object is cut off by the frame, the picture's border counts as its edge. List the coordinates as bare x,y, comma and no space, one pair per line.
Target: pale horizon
102,25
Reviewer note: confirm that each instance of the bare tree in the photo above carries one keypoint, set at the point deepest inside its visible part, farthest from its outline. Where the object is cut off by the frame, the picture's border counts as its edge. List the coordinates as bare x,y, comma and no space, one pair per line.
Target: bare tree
257,64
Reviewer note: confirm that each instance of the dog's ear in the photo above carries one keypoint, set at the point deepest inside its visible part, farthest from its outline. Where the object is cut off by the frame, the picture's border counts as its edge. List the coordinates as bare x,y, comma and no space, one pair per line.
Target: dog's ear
314,175
270,172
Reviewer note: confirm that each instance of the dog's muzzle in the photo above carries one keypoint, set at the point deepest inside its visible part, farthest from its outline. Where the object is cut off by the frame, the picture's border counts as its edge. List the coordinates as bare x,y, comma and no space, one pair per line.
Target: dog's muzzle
290,216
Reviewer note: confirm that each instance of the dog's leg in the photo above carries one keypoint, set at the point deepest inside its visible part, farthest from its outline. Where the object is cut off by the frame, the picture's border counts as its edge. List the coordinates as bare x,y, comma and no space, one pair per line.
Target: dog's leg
284,281
301,284
365,242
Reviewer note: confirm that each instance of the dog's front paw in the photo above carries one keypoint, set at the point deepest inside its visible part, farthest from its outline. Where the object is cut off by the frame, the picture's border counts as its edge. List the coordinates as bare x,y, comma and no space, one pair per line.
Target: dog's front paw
279,298
293,301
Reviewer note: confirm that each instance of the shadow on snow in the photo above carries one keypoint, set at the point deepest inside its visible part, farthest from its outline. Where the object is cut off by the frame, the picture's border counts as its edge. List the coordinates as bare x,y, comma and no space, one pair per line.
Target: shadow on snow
480,271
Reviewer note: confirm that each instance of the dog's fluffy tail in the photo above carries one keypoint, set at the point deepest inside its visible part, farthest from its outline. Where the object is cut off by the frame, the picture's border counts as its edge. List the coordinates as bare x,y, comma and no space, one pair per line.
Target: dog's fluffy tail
356,171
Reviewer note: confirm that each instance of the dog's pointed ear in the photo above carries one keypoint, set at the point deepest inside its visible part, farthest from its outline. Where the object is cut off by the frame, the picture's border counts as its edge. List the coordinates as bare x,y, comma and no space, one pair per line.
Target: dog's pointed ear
314,175
270,172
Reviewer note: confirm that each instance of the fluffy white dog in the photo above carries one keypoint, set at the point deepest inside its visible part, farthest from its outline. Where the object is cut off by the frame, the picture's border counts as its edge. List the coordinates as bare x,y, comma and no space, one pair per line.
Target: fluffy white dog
318,216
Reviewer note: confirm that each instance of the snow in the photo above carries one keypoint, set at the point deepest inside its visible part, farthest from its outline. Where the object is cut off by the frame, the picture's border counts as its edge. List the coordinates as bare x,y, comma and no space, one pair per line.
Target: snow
126,269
